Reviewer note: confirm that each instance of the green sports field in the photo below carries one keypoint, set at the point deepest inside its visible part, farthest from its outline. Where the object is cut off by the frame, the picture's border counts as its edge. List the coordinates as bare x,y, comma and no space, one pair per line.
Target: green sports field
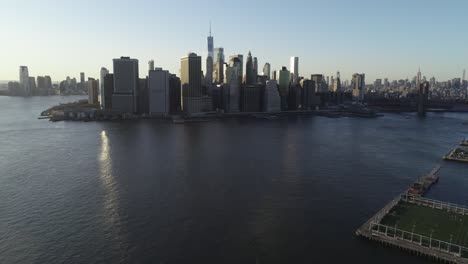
443,225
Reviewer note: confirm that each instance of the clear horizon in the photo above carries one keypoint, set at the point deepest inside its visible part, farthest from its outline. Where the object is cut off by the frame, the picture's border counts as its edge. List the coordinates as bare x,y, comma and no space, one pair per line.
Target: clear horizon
383,40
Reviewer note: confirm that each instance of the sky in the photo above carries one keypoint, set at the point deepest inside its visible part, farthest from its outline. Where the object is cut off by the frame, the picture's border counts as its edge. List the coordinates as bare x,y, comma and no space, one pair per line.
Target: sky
383,39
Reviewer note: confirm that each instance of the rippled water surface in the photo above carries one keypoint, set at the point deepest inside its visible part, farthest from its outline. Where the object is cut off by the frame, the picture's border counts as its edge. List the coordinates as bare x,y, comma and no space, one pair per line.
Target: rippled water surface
232,191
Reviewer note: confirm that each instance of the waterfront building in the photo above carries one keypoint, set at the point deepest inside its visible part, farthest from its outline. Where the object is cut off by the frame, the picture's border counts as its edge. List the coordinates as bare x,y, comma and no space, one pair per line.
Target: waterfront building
251,98
102,75
284,82
359,87
93,91
108,89
271,98
193,99
250,76
267,70
24,80
159,100
295,70
218,71
126,80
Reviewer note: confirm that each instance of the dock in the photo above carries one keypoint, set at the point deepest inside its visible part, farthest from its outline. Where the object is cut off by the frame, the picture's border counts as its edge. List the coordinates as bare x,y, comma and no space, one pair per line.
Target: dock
458,154
409,240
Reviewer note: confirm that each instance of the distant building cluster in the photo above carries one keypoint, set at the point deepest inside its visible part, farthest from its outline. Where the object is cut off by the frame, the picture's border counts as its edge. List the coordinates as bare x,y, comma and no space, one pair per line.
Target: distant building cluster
30,86
455,89
230,84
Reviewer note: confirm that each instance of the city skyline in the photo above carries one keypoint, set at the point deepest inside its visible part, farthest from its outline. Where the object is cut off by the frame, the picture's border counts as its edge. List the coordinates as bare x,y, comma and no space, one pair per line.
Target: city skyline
389,44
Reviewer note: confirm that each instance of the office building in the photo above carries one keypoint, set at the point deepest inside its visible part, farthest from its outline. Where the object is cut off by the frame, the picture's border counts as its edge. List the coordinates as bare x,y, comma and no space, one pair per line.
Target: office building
359,87
83,86
24,80
143,96
233,84
318,81
295,70
218,66
250,76
32,85
210,60
102,75
251,98
255,66
174,95
271,98
159,99
308,94
193,99
108,89
150,65
126,81
237,61
284,82
93,91
267,70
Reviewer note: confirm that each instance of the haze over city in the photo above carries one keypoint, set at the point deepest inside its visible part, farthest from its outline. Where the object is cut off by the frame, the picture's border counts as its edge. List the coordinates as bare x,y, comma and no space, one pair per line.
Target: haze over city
389,39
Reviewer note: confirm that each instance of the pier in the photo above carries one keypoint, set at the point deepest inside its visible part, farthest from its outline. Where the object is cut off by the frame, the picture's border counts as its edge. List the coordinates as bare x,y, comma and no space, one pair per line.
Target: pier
442,233
458,154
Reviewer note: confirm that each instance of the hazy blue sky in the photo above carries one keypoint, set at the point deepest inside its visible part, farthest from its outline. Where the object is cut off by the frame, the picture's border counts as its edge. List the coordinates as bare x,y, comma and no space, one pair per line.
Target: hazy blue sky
389,38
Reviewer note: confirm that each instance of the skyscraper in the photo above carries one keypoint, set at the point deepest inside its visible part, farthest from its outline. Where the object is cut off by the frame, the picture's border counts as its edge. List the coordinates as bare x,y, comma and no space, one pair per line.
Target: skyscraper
233,83
159,100
318,82
126,80
237,61
295,69
210,60
284,81
102,75
272,100
107,94
93,93
418,79
32,85
255,66
193,99
83,82
267,70
250,77
209,70
218,65
359,87
24,80
150,65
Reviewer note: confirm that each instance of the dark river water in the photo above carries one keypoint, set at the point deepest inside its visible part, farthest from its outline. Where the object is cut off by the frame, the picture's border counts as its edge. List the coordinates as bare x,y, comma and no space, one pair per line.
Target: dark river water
231,191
